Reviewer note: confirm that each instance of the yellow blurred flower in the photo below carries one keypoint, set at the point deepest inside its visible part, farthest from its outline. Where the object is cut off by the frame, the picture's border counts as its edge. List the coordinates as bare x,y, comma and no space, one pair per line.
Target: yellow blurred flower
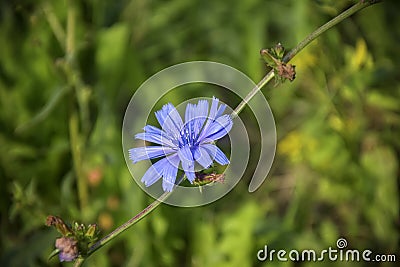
296,146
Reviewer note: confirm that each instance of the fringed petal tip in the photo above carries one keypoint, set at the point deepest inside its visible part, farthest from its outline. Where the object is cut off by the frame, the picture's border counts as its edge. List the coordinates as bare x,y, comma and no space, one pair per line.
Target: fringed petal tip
132,156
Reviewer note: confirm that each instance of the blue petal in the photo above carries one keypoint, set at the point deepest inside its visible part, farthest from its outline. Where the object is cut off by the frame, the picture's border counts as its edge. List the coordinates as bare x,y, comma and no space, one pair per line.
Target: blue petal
216,153
215,113
170,120
170,172
188,129
148,152
155,135
217,129
221,110
214,109
189,112
187,160
195,116
200,116
202,157
154,173
163,113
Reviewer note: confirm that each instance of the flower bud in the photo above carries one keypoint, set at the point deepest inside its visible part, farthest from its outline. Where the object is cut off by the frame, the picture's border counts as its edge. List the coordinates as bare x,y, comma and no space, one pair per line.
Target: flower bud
92,232
59,224
208,178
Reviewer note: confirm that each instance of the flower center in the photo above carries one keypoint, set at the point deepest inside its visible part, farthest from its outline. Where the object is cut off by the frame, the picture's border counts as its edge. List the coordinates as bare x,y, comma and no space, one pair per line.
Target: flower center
187,136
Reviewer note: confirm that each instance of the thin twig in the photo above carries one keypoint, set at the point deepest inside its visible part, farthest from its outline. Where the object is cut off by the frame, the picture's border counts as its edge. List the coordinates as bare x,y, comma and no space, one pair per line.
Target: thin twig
74,130
129,223
54,23
311,37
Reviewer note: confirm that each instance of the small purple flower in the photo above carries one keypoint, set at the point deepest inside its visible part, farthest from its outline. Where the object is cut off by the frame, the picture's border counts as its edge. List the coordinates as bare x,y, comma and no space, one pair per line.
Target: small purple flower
183,143
68,247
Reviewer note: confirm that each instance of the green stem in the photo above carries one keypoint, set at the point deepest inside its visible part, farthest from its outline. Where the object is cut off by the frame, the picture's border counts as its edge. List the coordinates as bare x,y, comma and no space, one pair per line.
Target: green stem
129,223
74,129
342,16
124,227
70,40
76,150
267,78
54,23
78,262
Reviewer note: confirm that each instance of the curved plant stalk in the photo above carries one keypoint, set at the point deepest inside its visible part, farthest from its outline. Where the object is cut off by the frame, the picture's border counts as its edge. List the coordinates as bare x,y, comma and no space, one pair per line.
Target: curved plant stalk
311,37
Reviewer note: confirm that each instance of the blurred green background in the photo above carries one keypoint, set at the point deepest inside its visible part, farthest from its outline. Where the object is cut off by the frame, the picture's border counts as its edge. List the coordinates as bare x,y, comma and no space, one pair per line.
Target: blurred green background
69,68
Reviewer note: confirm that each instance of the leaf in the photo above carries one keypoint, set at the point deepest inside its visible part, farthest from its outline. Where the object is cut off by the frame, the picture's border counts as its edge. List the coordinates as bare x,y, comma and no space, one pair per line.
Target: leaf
381,101
46,110
53,253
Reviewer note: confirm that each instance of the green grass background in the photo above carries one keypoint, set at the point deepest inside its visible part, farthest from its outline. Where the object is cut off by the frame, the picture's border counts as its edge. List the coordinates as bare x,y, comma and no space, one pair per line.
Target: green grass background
336,171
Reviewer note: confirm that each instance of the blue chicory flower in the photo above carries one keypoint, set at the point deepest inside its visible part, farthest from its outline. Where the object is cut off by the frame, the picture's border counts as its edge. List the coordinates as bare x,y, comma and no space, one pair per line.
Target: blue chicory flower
183,143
